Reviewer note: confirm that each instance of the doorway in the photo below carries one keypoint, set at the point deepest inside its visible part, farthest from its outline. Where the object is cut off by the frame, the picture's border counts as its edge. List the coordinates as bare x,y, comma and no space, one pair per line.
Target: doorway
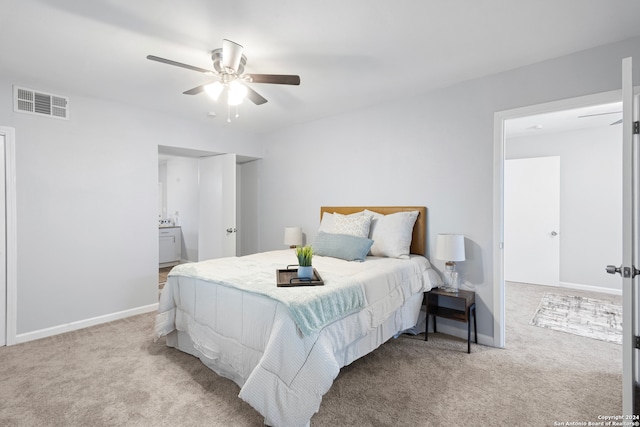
526,119
197,192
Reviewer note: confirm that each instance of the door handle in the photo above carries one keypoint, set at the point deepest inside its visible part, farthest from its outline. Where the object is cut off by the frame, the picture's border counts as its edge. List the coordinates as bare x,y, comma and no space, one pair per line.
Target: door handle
232,230
554,233
627,272
612,269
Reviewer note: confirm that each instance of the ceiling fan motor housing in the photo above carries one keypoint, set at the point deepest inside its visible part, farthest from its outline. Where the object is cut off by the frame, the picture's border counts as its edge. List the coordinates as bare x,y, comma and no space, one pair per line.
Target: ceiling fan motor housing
216,57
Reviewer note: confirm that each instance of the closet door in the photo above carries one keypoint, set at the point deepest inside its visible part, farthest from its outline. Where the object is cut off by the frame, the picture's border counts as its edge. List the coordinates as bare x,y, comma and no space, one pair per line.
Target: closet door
217,207
532,220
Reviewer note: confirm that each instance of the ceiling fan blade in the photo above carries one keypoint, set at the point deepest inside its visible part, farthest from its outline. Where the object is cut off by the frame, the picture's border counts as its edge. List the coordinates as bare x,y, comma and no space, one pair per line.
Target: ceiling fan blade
255,97
231,55
599,114
196,90
179,64
278,79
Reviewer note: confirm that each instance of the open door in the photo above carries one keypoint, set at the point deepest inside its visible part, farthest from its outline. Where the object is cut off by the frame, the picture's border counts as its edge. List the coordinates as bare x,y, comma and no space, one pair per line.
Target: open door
628,269
217,207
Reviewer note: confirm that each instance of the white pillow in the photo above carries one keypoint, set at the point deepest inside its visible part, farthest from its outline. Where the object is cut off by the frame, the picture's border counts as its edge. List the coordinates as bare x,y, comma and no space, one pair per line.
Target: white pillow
391,234
327,223
354,225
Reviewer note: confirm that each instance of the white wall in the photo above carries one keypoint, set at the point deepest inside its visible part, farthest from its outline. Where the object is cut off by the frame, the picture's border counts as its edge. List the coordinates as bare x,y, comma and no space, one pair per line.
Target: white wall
87,206
590,200
162,190
434,150
249,219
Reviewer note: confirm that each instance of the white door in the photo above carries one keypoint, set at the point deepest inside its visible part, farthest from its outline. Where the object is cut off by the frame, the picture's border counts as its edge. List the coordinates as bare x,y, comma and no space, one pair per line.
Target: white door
630,209
217,207
532,220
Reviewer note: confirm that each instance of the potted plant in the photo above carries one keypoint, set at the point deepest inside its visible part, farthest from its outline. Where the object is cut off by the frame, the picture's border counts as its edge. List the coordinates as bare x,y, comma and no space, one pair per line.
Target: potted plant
304,254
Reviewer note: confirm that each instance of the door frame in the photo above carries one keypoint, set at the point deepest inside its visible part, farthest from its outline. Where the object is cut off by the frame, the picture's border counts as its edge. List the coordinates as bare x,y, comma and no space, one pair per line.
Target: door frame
629,242
499,119
11,234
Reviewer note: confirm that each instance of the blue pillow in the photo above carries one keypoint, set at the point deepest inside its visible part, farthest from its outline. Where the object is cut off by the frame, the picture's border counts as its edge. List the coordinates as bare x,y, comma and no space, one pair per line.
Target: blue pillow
343,246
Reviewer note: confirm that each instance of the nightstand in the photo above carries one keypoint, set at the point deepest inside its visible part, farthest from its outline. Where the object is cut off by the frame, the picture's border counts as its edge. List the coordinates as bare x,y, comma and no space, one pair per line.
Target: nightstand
432,301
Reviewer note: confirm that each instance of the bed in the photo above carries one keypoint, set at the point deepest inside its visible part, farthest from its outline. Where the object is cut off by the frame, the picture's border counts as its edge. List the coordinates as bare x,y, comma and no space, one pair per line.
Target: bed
284,346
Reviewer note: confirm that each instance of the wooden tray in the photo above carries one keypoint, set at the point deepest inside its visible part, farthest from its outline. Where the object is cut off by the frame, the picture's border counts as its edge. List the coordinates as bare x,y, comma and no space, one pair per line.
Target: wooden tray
289,277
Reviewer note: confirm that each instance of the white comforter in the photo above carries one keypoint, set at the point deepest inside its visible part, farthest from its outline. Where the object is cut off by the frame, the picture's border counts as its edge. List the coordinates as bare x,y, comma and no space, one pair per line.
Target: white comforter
243,331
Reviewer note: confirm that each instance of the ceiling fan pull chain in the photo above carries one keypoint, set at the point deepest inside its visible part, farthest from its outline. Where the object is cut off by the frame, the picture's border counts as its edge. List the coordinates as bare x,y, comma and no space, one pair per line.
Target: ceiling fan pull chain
228,113
237,112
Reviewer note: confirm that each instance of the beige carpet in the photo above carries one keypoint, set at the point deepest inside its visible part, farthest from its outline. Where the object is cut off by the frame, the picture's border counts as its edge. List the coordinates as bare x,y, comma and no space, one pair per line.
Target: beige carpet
114,375
162,276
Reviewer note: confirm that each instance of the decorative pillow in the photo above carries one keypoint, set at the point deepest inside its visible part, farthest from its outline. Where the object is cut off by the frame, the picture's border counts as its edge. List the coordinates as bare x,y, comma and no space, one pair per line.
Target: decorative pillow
391,234
327,223
343,246
355,224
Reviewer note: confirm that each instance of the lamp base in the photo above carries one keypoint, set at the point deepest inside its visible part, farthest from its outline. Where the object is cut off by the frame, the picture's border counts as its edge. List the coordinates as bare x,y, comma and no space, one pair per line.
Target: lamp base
450,276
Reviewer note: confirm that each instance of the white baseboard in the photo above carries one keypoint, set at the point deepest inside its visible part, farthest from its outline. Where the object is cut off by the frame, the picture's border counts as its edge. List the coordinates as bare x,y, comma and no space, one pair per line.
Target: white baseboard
591,288
459,330
73,326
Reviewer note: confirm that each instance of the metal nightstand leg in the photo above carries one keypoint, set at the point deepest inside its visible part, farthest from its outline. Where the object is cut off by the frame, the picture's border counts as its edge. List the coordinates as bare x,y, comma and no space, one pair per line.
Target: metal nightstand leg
472,309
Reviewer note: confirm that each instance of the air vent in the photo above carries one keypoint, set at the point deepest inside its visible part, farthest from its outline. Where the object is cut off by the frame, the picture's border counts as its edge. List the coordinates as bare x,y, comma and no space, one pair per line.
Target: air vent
40,103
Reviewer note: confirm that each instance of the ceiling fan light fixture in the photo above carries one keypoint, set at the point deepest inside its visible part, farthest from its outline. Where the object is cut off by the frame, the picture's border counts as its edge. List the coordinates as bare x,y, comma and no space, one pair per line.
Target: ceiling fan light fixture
231,55
214,90
228,66
237,93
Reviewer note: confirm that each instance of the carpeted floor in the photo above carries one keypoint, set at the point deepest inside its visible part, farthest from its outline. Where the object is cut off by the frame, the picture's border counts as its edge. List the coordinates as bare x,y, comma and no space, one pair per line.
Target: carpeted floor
115,375
162,276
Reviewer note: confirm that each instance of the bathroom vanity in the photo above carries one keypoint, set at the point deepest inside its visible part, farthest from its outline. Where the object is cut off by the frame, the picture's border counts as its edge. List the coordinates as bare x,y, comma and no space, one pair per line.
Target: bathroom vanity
170,245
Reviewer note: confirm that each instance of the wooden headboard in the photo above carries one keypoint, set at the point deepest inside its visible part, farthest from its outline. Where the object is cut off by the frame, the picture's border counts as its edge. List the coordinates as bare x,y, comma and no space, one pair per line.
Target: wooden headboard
418,240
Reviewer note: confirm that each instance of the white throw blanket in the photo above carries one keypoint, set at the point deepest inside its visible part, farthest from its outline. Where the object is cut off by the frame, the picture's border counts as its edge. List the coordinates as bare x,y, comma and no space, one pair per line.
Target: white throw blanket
312,307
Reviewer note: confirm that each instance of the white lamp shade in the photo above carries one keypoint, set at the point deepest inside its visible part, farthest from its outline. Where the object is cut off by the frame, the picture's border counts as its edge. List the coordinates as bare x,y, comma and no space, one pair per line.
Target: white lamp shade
214,89
237,92
293,236
231,55
450,247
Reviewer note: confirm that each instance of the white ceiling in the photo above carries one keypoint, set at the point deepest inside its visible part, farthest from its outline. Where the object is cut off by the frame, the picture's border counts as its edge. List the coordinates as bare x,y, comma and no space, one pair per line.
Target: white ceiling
349,54
594,116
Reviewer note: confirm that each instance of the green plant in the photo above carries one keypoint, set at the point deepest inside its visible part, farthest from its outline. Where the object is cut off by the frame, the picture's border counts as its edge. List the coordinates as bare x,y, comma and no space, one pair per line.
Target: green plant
304,254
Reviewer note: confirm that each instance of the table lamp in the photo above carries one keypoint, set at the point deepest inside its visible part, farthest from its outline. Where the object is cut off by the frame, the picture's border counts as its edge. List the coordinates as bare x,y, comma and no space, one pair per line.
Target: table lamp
293,236
450,248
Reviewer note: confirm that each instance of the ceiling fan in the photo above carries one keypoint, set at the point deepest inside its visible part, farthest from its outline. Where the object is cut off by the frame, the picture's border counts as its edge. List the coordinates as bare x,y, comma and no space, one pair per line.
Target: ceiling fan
617,122
228,64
